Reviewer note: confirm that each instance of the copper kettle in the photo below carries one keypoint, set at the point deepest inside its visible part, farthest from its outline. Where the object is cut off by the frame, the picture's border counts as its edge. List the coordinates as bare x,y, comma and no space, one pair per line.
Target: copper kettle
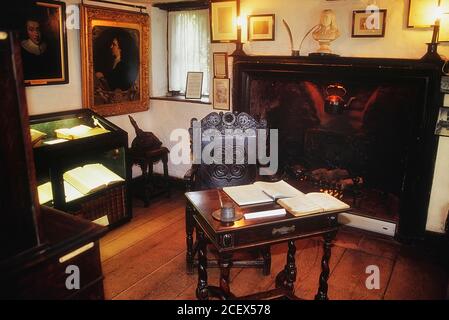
335,99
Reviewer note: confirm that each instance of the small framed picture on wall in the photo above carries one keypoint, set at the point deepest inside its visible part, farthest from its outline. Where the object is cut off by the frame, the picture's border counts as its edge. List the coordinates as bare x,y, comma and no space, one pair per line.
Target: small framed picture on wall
221,65
442,127
369,24
222,94
261,27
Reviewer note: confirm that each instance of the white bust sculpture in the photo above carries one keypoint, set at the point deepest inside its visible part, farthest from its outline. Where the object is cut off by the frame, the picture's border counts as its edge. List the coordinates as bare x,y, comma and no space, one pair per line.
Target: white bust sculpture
327,31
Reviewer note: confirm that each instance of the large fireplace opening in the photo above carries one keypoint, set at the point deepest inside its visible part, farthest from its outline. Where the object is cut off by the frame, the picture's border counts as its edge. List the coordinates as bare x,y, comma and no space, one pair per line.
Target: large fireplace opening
361,154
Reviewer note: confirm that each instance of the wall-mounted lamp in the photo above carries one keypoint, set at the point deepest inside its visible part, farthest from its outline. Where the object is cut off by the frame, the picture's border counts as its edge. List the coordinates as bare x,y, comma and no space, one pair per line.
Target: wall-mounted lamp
239,44
432,47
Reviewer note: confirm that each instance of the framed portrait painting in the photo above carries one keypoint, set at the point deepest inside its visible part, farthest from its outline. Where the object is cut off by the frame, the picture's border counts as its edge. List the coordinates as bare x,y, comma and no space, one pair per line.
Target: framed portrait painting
115,60
223,15
44,44
261,27
369,24
222,94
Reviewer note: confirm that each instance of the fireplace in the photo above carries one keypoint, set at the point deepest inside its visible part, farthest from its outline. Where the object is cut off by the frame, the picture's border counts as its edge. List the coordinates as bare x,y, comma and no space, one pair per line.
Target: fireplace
377,151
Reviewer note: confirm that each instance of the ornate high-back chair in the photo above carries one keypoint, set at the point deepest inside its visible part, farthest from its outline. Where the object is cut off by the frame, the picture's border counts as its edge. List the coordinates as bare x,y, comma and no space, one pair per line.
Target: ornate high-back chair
232,163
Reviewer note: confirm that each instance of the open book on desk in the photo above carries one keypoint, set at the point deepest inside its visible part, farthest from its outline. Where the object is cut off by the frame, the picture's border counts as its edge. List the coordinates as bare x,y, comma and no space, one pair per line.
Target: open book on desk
261,192
311,203
91,178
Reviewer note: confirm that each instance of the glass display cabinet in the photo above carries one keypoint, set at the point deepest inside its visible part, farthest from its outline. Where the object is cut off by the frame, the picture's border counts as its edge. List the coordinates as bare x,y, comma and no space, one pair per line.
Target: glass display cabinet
81,165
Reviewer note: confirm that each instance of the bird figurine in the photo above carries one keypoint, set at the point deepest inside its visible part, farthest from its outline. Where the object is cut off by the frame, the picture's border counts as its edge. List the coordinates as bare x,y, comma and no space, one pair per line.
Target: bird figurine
144,141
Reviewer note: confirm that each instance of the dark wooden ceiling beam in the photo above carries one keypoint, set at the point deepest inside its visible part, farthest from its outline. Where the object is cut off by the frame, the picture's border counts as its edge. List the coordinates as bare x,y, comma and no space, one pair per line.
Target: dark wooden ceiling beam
183,5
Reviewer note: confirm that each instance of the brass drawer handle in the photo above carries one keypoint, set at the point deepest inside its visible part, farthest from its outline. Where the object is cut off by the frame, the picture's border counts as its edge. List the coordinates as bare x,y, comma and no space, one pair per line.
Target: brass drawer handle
283,231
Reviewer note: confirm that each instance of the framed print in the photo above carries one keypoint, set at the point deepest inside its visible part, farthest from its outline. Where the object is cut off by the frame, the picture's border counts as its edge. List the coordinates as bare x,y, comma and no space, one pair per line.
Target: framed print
421,13
223,15
443,36
222,94
261,27
220,65
44,44
115,64
444,22
369,24
194,86
442,127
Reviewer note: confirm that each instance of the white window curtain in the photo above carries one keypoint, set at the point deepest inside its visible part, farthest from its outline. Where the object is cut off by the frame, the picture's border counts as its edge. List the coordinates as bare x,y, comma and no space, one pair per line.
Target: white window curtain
189,43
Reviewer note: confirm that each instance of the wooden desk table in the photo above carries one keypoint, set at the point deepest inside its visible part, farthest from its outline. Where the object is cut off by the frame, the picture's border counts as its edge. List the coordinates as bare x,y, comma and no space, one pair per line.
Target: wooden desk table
248,234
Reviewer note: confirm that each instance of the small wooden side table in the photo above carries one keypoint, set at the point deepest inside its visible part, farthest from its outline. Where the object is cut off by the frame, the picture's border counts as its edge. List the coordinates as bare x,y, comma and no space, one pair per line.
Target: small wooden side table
146,160
248,234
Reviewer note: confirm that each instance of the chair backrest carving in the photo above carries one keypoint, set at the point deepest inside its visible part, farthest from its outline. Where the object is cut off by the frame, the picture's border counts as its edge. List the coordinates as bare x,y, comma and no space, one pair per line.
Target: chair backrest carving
236,133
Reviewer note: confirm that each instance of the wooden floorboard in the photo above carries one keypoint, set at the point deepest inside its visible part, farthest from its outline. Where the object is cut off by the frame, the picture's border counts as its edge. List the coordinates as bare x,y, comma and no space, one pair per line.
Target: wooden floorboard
145,260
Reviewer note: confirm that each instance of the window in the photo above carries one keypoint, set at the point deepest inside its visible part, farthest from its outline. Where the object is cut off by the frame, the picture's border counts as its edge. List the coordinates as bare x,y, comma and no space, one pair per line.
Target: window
188,43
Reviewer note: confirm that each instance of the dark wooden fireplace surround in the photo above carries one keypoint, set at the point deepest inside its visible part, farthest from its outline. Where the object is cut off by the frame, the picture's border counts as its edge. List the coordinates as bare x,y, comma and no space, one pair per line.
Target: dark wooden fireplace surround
417,183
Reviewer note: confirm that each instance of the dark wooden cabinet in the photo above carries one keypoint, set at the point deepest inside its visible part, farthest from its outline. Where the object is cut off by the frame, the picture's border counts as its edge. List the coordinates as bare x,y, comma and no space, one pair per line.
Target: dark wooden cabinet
37,244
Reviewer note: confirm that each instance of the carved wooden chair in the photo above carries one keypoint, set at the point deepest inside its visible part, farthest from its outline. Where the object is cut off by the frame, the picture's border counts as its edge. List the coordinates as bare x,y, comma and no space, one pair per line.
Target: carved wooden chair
204,176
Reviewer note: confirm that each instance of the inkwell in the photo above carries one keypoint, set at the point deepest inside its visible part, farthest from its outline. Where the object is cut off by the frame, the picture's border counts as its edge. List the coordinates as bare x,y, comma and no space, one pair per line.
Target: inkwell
227,212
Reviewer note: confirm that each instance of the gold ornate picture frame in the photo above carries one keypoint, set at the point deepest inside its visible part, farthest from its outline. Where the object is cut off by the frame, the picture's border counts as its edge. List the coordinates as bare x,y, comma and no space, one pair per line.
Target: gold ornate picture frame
115,48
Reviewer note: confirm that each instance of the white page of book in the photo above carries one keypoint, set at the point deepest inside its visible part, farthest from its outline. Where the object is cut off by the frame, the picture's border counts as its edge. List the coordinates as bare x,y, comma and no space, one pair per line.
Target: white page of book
278,190
300,205
45,193
247,195
326,201
71,193
103,173
83,180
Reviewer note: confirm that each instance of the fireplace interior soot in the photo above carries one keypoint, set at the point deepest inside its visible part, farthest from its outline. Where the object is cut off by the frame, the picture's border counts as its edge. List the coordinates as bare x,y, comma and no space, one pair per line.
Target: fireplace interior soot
356,151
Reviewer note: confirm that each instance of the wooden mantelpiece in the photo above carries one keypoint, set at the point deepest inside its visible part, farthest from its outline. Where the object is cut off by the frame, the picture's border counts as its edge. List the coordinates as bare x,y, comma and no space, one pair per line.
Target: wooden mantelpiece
423,77
247,67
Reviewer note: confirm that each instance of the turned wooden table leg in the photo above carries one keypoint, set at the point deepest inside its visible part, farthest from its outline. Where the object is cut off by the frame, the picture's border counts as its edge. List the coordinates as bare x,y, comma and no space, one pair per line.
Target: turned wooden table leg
202,290
290,268
190,226
225,270
323,287
287,277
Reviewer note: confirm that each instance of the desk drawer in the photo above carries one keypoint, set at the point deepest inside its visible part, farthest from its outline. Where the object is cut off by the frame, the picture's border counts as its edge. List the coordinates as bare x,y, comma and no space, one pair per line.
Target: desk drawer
266,234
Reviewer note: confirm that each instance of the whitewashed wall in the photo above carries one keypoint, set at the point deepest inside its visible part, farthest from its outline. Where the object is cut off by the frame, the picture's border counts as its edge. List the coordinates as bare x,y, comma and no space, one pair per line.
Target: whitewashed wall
164,116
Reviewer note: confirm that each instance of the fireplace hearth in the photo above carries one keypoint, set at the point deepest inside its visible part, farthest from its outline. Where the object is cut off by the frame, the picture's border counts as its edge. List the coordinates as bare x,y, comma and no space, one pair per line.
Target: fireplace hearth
377,152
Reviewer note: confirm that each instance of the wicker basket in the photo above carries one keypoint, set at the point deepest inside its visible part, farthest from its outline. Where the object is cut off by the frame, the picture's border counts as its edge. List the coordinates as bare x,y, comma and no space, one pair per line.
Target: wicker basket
111,203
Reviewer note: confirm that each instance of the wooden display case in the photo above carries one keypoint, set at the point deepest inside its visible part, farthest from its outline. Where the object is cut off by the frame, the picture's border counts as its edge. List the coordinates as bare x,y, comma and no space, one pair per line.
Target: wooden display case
109,205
